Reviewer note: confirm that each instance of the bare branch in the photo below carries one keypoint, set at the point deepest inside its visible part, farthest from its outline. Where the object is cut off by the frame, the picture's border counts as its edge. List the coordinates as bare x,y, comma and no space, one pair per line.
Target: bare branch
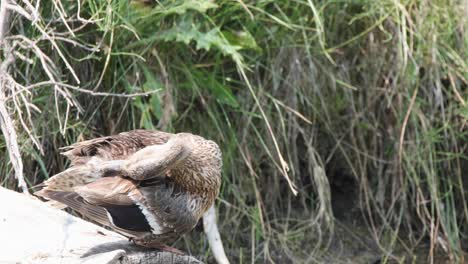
212,234
47,83
4,16
19,10
6,122
9,133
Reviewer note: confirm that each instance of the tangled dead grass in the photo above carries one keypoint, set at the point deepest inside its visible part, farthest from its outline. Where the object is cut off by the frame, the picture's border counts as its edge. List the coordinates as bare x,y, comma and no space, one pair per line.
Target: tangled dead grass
364,101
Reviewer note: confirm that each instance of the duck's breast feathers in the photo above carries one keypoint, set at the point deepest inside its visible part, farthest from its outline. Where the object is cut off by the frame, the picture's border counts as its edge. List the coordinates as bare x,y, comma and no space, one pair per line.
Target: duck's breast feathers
118,146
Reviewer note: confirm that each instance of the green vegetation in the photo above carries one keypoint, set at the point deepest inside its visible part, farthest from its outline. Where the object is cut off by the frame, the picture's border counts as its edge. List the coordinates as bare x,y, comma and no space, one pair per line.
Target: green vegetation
366,98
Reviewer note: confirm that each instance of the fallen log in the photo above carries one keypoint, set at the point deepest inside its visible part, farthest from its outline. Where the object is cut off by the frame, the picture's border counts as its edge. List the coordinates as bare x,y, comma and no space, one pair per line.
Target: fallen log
33,232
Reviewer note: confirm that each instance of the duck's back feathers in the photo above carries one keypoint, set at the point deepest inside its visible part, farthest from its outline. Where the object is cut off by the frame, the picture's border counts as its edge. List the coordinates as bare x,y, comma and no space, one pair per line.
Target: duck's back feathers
114,147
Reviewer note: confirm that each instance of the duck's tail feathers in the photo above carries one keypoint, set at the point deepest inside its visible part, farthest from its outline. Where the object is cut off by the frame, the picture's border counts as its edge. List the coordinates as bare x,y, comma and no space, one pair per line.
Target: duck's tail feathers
67,180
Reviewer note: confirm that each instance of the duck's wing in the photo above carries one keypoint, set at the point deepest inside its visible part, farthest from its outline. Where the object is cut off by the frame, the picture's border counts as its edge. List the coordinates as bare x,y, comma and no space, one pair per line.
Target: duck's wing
156,206
118,146
107,201
138,154
109,191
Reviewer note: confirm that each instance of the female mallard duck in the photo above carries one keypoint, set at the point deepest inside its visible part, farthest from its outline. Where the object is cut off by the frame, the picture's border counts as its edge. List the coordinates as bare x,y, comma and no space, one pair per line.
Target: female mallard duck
149,186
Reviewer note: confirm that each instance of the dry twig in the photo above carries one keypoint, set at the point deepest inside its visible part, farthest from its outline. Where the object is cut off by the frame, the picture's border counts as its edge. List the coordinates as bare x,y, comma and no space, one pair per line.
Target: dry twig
214,239
6,122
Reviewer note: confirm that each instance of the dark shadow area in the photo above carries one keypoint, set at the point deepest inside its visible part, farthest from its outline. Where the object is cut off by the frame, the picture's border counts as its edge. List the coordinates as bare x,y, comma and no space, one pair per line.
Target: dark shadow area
111,246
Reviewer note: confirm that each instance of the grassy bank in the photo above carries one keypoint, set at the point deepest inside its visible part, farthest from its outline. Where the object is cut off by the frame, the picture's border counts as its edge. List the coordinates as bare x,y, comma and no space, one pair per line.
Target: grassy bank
360,106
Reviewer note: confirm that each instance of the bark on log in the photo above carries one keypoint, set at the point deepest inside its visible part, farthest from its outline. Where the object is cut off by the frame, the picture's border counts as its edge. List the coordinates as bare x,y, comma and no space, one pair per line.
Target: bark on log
33,232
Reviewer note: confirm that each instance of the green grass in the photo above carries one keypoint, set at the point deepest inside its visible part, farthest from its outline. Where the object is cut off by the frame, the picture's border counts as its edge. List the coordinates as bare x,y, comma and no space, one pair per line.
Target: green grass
371,92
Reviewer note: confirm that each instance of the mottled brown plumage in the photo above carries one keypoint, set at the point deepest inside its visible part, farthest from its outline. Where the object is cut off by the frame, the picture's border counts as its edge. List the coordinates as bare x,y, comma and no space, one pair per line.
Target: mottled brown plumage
150,186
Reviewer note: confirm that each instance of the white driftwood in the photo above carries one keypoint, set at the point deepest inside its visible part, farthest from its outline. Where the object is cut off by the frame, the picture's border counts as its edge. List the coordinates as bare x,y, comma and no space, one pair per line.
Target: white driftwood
32,232
212,234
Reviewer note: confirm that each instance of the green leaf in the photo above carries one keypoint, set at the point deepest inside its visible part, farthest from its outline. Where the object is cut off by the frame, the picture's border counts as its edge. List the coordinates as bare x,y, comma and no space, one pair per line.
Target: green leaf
199,5
186,31
156,107
173,7
220,91
463,111
151,84
242,39
146,120
223,94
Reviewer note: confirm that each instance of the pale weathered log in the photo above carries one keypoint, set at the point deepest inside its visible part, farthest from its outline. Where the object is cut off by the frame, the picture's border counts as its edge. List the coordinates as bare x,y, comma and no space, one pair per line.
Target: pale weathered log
33,232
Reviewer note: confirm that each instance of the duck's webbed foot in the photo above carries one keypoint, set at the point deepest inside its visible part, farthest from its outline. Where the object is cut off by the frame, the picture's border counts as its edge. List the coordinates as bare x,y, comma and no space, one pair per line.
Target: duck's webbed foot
148,243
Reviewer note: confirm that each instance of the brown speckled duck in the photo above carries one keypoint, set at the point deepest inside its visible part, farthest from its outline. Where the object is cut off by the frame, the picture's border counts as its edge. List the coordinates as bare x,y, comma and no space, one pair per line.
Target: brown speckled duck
149,186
